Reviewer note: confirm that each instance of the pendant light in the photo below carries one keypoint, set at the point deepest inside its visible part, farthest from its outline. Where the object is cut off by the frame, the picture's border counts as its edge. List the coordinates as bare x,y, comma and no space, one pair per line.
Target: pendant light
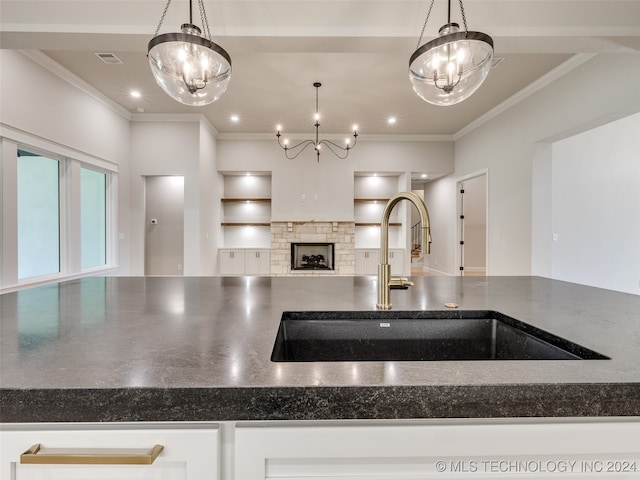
189,67
450,68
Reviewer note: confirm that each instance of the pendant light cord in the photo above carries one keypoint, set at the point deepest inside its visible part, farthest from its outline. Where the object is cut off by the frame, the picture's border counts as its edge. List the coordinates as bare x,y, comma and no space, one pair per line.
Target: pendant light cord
203,18
464,19
425,24
164,14
205,21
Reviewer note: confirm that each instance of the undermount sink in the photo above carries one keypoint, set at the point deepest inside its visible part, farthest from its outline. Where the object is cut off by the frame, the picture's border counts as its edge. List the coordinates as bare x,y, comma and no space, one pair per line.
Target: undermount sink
417,336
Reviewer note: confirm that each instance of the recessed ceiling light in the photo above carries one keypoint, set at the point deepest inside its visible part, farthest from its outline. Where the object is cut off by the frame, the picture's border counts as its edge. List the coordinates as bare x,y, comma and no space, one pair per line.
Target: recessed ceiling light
235,118
135,94
391,120
424,175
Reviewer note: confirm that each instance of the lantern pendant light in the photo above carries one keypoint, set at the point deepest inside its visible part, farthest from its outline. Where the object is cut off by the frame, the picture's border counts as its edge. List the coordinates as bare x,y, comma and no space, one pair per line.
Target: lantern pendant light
188,66
450,68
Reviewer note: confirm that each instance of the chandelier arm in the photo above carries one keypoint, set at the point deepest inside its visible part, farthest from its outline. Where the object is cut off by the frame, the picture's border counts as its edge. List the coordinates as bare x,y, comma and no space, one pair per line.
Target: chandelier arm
164,14
345,149
425,24
306,143
330,145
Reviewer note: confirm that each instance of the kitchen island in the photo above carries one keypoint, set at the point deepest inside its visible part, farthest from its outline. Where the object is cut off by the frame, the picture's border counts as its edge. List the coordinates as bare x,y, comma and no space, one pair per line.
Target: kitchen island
148,349
183,365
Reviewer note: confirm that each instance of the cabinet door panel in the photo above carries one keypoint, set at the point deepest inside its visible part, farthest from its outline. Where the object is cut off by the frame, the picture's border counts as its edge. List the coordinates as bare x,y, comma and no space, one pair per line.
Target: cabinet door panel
188,454
550,451
396,260
231,262
257,262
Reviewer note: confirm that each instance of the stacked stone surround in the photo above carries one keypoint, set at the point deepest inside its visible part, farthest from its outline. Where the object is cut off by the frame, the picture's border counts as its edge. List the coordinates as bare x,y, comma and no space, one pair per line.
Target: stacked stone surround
342,234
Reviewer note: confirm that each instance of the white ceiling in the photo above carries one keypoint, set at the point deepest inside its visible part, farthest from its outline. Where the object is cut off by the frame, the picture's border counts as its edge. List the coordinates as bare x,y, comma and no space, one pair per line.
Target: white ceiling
358,49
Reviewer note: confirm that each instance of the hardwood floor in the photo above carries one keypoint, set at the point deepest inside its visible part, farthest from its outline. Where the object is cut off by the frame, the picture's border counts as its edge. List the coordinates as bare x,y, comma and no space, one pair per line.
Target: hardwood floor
418,271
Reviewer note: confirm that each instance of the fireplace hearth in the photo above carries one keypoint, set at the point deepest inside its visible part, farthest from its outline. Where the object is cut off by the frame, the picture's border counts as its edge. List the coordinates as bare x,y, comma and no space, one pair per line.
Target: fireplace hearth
312,256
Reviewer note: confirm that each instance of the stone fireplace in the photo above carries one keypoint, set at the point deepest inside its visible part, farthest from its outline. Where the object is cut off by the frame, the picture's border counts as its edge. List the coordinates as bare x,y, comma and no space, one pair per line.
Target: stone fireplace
312,239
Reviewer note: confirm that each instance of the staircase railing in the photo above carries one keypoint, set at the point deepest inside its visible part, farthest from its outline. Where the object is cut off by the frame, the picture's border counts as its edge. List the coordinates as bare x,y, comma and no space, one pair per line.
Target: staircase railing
416,237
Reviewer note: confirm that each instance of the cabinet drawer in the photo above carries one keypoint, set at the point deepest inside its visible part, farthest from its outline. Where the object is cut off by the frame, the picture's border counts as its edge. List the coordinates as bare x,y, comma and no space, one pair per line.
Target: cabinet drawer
186,453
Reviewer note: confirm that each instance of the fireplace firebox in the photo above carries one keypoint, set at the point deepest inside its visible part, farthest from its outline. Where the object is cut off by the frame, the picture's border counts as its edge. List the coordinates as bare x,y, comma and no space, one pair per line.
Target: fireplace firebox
312,256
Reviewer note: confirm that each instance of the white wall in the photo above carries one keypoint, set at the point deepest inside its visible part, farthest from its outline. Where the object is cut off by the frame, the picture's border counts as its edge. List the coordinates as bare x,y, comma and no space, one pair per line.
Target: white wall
46,110
174,147
507,144
210,193
596,207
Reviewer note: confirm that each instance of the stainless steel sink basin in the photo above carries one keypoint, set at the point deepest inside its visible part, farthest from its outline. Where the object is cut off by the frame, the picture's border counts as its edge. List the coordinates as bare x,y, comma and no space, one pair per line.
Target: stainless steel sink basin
417,336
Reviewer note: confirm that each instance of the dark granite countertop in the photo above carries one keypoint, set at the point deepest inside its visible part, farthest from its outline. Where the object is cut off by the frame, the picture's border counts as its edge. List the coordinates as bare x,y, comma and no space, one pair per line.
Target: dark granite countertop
198,349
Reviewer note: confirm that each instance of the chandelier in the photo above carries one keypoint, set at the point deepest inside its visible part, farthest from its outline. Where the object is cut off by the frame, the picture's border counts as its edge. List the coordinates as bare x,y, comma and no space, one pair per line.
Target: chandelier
189,67
450,68
341,152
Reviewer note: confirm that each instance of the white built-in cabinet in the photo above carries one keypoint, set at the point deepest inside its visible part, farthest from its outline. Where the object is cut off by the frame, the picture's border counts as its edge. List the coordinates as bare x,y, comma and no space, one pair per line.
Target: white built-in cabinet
189,453
516,450
367,260
257,262
491,449
241,261
371,194
246,225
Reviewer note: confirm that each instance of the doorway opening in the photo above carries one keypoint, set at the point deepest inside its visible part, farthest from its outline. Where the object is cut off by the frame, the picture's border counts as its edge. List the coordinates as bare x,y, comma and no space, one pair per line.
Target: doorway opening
472,225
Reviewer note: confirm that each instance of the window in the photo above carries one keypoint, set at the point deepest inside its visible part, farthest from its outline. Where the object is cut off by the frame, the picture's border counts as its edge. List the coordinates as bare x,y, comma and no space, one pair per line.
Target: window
38,215
93,221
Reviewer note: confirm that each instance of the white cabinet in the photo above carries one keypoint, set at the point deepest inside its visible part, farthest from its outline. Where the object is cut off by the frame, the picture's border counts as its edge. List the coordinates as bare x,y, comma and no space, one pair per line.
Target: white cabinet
191,453
499,449
240,261
396,259
231,262
367,260
507,451
257,262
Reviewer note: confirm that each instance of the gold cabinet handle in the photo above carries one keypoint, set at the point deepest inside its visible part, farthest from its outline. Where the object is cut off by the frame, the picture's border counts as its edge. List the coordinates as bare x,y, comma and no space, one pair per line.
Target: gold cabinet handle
95,456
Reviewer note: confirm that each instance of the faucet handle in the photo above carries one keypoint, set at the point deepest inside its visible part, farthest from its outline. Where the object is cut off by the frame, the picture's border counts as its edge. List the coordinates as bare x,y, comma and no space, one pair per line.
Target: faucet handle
400,282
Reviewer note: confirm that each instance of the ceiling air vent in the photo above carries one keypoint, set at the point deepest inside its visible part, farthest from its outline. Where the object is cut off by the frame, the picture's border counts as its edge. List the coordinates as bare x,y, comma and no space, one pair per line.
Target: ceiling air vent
495,61
109,58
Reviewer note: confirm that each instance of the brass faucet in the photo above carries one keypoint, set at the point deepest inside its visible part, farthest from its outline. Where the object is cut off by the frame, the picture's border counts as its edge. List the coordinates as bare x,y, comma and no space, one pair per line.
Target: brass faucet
384,269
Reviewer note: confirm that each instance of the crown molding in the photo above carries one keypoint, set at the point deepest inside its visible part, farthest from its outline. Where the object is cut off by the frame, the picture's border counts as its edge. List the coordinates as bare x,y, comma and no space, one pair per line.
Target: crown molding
176,117
46,62
361,137
534,87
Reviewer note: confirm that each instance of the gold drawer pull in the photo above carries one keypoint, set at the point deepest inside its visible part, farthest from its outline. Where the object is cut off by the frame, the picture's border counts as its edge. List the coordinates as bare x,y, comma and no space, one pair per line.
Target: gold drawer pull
90,456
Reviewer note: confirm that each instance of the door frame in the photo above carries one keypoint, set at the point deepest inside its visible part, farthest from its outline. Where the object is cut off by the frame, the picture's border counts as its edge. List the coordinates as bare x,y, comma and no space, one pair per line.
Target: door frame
458,251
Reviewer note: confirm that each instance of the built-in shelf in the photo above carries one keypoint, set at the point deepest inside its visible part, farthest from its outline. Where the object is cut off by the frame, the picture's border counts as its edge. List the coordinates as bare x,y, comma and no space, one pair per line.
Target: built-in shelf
358,224
244,224
245,200
370,200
